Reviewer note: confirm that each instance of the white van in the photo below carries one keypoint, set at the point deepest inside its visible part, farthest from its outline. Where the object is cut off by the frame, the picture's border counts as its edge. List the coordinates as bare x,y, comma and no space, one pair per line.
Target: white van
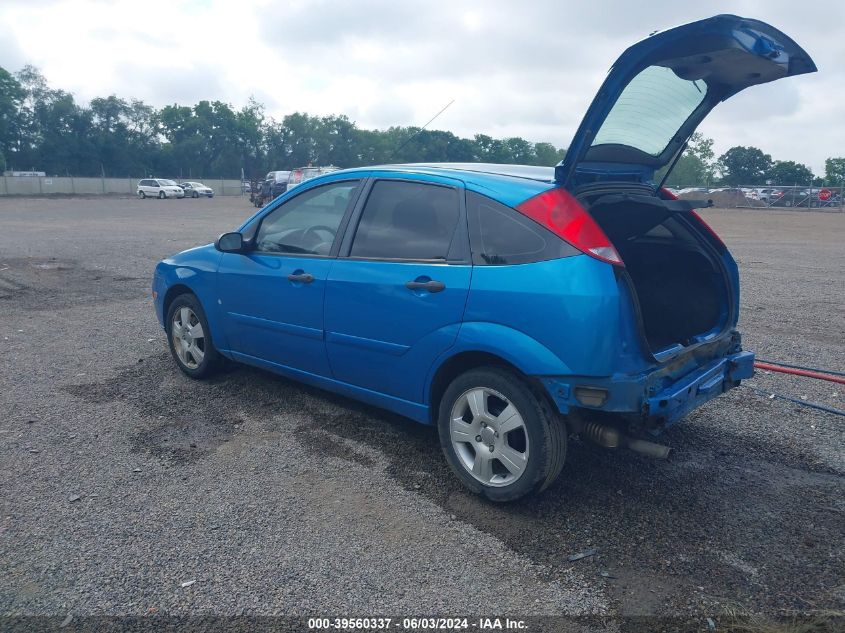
159,188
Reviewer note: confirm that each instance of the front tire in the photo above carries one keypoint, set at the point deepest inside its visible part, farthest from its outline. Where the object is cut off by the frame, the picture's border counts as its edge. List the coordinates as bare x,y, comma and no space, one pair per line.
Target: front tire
189,338
161,195
502,440
142,195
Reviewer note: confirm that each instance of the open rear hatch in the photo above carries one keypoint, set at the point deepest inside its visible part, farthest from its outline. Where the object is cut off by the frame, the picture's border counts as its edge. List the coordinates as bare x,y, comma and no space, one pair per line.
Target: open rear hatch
661,88
683,280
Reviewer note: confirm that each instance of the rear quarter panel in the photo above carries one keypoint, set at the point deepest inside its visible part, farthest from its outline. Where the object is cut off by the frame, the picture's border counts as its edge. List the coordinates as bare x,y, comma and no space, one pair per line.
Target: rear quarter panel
569,306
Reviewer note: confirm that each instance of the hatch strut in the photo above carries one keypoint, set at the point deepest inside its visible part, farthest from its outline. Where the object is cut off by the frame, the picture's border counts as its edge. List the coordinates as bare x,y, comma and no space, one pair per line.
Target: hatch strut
672,165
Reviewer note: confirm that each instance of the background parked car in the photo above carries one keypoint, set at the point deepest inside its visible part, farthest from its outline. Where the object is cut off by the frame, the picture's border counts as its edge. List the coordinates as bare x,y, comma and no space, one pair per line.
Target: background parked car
769,195
159,188
302,174
196,189
792,198
277,182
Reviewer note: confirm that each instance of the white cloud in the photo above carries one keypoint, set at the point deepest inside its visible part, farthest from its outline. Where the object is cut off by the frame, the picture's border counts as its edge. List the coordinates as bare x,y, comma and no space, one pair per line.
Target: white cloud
527,69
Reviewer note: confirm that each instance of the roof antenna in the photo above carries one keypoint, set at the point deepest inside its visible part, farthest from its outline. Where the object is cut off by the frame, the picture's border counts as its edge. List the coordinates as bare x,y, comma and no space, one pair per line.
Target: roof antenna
415,134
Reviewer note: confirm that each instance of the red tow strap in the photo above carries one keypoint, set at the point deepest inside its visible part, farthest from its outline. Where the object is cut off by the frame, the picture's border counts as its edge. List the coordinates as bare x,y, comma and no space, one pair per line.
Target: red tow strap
799,372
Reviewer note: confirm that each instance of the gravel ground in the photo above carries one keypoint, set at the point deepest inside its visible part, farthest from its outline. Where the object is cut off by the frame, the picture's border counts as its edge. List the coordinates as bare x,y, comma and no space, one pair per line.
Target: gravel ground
122,479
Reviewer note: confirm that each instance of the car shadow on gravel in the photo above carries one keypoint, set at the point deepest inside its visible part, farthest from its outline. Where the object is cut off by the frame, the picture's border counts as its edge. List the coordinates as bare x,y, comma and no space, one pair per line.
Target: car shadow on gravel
729,521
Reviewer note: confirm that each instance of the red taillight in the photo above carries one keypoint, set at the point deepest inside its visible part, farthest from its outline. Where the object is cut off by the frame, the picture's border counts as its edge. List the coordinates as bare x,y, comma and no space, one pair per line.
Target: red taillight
558,211
671,196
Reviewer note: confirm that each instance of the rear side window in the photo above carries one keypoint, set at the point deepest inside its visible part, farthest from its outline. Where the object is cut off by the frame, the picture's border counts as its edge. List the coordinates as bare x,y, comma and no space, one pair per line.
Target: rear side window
501,235
407,220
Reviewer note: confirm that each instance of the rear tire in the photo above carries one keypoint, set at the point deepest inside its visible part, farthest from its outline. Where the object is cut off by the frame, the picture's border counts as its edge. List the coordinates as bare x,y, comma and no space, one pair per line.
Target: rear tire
501,439
189,338
142,195
195,195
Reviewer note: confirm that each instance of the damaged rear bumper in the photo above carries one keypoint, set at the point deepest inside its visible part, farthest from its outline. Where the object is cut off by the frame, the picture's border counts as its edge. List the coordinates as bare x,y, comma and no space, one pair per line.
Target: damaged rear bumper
657,398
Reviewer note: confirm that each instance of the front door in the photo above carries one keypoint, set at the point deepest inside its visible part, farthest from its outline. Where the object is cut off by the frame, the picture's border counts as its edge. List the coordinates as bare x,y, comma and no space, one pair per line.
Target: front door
396,300
272,296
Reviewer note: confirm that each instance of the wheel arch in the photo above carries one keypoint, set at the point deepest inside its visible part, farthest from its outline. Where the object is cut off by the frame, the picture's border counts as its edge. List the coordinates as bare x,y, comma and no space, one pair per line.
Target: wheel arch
465,361
174,291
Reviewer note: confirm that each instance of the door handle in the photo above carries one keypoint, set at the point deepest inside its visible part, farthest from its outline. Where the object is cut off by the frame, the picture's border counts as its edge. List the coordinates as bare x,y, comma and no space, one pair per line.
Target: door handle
305,278
431,286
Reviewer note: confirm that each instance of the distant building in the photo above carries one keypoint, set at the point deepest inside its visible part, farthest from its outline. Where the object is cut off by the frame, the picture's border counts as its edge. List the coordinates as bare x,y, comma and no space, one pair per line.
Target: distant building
26,174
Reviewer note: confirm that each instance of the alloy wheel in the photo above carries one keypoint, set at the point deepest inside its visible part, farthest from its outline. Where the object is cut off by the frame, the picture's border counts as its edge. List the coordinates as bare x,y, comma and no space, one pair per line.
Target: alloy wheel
188,337
489,437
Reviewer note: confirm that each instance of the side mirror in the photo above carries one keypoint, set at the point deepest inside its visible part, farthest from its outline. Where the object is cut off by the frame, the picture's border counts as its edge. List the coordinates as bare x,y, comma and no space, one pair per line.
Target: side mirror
230,243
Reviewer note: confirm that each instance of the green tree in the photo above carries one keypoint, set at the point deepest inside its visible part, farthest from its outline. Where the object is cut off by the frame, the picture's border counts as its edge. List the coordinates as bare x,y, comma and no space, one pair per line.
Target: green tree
695,166
11,98
788,172
834,170
43,128
546,154
744,166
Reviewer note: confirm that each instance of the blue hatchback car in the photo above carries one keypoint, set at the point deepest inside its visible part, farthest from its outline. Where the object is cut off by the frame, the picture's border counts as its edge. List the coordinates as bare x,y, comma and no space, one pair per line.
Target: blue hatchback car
511,306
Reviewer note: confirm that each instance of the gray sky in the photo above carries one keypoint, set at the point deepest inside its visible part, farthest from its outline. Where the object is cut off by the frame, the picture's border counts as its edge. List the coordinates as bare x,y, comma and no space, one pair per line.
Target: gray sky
526,68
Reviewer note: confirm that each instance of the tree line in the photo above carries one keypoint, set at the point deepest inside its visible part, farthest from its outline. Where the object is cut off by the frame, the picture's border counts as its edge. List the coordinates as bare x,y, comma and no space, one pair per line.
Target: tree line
45,129
746,166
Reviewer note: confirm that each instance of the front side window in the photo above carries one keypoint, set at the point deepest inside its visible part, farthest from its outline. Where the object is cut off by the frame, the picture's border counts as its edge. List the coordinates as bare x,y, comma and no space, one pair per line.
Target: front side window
650,110
407,220
500,235
308,223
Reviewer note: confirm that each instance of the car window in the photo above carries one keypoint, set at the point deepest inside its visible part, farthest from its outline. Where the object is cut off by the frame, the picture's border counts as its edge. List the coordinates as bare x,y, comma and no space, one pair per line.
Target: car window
407,220
308,223
501,235
650,110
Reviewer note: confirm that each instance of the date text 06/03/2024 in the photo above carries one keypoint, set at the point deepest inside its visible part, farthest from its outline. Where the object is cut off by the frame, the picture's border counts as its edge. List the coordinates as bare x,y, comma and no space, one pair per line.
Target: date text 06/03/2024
417,624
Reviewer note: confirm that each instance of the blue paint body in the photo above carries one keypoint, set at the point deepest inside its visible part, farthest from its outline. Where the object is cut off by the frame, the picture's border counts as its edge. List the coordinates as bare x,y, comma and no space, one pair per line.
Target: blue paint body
358,331
564,323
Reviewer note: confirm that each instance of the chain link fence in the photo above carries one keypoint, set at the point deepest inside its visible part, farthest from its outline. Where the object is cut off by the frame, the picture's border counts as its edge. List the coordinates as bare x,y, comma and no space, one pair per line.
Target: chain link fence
70,185
798,197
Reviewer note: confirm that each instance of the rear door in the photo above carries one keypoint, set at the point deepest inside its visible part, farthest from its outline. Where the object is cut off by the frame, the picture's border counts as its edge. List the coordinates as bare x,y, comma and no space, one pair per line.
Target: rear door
661,88
396,296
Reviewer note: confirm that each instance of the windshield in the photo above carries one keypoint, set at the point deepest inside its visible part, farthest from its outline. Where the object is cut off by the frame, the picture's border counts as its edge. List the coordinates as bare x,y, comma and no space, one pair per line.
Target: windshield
166,183
650,110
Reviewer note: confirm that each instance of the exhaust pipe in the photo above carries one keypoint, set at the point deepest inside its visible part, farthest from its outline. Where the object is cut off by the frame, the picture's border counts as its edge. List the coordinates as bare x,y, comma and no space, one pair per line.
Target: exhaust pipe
652,449
609,437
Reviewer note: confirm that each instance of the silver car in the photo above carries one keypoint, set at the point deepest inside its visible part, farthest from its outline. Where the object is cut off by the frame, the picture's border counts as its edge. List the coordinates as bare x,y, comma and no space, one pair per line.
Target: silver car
196,190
